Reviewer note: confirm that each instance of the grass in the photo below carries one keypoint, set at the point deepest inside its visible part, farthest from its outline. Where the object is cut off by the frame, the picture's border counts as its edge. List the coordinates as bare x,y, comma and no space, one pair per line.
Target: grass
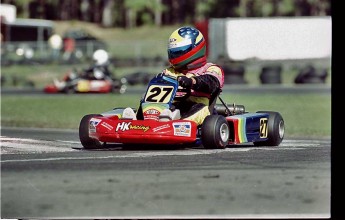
41,75
148,41
117,34
306,115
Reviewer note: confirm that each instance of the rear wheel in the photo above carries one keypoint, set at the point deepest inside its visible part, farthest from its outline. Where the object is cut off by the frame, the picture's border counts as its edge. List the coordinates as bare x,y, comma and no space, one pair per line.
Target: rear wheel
86,141
215,132
276,130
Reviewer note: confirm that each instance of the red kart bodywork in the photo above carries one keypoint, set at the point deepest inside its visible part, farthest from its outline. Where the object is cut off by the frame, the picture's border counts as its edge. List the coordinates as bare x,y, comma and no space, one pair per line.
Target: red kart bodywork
84,86
113,129
51,88
74,82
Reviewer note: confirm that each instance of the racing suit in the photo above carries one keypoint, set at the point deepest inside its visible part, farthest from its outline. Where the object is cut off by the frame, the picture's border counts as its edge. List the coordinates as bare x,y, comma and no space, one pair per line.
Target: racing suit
206,80
103,72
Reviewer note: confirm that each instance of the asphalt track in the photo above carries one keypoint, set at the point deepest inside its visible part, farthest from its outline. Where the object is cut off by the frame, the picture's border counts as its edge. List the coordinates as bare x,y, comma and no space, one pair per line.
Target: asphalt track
46,174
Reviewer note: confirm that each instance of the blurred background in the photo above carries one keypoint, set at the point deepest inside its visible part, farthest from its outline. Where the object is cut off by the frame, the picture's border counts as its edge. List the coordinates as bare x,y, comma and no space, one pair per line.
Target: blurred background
256,41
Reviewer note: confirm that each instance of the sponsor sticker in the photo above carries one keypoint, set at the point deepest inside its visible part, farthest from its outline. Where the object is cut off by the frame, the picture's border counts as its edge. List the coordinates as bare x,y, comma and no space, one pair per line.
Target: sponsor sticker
93,123
182,129
151,117
174,44
161,127
126,126
151,114
107,126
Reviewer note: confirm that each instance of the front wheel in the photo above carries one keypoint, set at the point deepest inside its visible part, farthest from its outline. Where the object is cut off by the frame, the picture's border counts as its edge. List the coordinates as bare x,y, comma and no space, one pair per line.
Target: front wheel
68,89
215,132
86,141
276,129
123,89
118,87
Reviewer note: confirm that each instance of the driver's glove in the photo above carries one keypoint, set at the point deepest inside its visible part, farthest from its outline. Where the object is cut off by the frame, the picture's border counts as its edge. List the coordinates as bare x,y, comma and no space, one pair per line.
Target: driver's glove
185,82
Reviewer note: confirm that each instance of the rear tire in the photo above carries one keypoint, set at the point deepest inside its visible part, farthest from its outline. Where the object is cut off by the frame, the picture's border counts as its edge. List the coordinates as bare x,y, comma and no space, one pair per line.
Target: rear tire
86,141
215,132
276,130
271,75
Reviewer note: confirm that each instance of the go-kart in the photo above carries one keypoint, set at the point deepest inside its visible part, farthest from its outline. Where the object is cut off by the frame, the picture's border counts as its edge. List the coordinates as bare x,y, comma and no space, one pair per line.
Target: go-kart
85,82
227,125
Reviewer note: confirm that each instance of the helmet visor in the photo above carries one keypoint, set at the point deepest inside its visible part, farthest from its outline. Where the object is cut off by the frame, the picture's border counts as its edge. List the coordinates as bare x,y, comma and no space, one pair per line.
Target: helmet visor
179,51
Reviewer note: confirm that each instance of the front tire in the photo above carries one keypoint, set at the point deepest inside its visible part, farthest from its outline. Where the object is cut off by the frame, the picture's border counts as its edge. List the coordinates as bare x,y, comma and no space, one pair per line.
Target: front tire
276,129
86,141
215,132
69,90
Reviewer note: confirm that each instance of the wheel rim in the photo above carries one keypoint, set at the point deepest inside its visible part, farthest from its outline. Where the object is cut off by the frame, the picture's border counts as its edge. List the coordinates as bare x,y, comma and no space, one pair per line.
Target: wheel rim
281,129
224,132
123,89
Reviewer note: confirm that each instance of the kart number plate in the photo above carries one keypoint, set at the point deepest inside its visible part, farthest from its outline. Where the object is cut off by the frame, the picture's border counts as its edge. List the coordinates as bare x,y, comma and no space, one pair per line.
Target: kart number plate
159,94
263,127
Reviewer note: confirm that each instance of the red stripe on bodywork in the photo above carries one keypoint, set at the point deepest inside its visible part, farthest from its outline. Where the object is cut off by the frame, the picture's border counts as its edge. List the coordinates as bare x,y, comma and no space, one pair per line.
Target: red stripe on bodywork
237,138
187,55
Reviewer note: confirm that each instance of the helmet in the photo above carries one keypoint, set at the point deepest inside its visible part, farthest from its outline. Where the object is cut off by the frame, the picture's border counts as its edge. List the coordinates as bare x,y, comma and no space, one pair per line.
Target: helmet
100,57
187,48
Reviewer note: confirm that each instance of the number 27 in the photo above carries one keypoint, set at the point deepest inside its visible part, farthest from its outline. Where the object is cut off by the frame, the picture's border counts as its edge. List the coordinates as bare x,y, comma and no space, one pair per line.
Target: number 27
155,93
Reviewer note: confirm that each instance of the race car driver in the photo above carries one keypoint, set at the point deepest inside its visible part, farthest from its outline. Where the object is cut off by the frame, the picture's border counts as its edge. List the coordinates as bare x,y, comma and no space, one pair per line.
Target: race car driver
187,56
99,69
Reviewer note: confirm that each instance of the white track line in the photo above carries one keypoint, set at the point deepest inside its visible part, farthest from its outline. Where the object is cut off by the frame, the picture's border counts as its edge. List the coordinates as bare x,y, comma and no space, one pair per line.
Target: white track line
20,145
27,146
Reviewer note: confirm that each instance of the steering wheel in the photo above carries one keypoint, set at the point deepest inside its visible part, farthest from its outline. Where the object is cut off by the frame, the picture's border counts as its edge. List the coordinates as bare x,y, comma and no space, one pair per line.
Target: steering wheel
182,94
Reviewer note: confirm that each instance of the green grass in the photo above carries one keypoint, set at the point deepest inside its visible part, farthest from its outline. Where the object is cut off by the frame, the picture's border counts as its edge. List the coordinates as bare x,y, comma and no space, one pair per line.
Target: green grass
42,75
306,115
121,42
118,34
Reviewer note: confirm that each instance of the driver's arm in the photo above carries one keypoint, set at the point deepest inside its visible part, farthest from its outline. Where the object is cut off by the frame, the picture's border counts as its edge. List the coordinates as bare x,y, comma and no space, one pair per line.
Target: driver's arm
205,83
